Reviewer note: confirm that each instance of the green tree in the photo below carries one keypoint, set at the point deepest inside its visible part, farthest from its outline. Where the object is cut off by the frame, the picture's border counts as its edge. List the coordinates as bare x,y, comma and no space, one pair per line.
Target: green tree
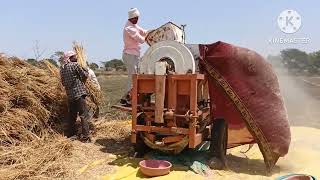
115,64
32,61
315,58
93,66
295,58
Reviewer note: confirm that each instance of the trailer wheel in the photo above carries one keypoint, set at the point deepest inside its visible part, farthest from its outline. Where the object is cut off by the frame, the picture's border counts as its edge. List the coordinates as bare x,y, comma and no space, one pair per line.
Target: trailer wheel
219,138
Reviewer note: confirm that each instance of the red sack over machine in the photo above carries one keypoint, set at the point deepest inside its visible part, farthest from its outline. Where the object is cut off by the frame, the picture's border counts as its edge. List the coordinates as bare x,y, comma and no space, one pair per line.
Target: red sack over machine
245,91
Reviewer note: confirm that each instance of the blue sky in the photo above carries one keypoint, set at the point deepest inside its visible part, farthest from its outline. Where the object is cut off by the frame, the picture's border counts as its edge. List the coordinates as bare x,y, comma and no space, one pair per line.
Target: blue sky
98,24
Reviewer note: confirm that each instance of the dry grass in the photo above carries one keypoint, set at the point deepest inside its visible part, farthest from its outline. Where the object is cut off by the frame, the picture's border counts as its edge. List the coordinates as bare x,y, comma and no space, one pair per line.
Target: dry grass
116,130
38,159
95,95
32,106
81,55
32,101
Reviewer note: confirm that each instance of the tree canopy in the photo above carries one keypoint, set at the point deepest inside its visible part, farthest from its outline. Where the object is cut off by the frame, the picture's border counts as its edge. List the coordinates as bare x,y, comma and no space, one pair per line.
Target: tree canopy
116,64
34,62
93,66
296,60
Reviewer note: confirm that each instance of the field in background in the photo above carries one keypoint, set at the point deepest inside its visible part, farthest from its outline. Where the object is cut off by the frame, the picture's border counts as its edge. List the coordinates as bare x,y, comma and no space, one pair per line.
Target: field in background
113,88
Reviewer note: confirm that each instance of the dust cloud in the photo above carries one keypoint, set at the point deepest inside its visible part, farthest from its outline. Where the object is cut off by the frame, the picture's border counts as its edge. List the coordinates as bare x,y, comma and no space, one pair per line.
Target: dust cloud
302,98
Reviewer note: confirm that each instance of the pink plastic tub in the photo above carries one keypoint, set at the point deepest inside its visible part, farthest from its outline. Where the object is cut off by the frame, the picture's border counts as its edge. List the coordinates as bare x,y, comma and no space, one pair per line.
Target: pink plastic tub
154,168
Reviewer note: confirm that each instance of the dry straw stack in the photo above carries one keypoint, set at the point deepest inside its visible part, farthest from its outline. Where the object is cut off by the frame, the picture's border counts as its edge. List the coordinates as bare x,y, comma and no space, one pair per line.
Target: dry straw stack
32,105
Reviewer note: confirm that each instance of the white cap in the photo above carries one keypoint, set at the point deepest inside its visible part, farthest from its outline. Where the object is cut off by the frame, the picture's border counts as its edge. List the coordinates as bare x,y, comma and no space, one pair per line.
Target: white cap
133,12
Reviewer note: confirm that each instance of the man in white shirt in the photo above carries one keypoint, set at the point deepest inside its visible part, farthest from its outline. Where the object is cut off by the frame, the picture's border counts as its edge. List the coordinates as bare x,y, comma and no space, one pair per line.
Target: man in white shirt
93,78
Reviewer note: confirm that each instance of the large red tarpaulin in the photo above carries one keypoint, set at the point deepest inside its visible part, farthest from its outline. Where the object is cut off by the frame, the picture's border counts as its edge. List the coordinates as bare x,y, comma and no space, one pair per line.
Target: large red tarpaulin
245,91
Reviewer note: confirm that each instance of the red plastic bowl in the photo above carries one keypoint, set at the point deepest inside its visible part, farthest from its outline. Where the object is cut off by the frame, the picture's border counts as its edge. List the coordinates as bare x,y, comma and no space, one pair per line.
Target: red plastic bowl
154,168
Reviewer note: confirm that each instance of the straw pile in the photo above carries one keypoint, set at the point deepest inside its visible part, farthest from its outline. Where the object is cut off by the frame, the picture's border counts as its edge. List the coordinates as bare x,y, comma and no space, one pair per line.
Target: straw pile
38,159
31,101
32,106
81,56
117,130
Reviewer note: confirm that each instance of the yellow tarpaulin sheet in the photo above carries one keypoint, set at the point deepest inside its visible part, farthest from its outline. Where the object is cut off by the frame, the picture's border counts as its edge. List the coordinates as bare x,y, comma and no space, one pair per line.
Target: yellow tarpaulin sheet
303,158
130,171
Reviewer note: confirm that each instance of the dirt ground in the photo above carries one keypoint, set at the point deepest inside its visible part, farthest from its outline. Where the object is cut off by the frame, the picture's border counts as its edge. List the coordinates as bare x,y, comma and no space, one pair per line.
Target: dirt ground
302,97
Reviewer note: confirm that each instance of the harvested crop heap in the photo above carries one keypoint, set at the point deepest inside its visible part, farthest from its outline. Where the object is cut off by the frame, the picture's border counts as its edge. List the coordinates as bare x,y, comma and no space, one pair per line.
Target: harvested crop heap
32,105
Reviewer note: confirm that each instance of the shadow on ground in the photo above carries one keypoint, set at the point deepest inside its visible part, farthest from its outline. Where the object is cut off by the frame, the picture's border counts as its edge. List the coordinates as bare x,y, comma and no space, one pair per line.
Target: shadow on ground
123,149
113,146
252,166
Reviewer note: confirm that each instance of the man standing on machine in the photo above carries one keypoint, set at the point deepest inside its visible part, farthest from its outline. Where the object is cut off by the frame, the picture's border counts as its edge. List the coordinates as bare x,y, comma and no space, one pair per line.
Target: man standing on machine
133,36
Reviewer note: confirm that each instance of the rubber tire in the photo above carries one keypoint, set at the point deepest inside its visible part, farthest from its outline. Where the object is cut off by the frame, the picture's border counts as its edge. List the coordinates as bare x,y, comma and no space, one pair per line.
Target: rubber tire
219,138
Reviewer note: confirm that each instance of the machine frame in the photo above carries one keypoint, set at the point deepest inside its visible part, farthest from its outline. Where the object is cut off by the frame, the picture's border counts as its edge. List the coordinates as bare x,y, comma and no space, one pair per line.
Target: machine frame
182,98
